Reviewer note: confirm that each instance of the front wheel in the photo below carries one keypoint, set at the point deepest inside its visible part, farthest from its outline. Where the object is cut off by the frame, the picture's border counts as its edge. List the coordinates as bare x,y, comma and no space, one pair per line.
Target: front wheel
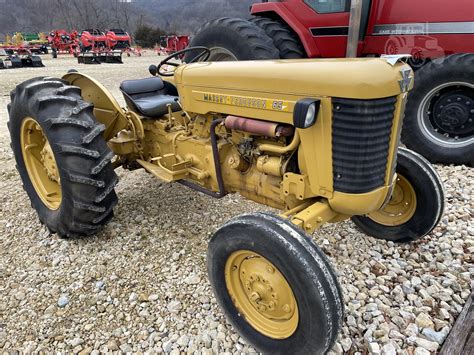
275,285
416,205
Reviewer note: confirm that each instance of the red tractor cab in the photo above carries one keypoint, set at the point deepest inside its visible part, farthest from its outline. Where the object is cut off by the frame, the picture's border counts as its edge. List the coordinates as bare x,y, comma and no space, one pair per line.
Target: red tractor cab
118,39
426,28
437,34
92,40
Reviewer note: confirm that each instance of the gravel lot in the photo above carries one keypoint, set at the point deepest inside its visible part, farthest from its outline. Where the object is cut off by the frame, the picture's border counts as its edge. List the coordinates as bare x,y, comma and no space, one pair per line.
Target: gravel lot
141,284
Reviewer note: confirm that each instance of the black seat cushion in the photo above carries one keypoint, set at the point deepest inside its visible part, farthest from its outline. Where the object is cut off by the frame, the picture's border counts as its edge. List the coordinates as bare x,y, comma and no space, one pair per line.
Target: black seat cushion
141,86
156,105
150,97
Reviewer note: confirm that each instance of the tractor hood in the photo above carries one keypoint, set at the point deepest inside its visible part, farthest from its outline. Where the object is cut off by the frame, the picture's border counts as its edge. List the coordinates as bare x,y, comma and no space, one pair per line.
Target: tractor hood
358,78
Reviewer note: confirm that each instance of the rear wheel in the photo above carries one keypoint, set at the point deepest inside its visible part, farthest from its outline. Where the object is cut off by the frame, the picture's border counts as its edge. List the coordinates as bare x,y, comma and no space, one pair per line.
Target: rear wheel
275,285
54,53
439,117
62,158
416,205
284,39
231,39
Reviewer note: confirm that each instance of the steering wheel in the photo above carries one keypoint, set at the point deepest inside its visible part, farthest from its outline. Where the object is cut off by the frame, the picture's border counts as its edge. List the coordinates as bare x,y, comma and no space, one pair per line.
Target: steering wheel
203,55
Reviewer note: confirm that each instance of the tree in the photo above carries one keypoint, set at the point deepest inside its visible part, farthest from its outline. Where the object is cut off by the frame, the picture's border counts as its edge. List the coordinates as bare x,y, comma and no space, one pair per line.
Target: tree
147,36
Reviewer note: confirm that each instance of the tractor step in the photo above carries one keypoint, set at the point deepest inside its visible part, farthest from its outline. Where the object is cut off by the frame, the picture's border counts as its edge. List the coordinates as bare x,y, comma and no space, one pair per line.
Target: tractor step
177,172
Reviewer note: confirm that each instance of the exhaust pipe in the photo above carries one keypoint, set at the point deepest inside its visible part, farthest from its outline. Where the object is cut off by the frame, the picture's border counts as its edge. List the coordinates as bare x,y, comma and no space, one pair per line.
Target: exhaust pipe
354,28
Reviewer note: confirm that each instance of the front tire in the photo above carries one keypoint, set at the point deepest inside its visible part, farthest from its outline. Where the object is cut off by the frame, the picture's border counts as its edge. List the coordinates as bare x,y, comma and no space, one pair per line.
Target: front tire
275,285
416,206
232,39
61,156
439,116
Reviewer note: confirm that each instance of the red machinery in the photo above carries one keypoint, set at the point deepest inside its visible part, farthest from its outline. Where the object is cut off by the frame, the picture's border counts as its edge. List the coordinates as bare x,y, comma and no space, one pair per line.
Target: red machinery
118,39
63,42
92,39
172,44
96,48
438,34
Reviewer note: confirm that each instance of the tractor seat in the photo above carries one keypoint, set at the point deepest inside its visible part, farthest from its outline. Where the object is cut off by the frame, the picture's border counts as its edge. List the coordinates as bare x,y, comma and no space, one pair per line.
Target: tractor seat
150,97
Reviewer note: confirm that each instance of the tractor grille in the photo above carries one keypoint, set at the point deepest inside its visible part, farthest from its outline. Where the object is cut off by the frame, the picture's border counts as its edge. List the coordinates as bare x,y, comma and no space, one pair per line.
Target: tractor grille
361,132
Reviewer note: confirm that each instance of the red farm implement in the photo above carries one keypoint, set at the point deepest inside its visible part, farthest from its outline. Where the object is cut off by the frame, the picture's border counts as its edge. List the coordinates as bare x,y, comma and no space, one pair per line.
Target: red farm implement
15,53
63,42
172,44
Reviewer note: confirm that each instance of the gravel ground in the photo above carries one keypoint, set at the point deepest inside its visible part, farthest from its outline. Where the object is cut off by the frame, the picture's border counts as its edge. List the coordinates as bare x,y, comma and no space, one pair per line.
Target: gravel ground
141,284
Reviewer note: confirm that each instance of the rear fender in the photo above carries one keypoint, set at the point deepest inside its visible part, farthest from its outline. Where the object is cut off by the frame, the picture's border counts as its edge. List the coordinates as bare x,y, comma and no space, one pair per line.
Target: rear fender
106,109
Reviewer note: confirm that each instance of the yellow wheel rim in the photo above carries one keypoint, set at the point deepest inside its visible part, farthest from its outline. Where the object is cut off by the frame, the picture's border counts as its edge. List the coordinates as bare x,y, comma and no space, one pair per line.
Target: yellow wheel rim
261,294
401,207
40,163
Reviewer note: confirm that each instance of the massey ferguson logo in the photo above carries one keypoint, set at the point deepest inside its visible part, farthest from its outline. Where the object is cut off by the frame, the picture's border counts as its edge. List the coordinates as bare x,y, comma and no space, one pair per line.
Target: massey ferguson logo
406,79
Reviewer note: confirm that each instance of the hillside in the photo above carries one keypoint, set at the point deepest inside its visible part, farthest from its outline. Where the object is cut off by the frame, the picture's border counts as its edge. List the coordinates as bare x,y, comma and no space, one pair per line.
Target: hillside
186,16
181,16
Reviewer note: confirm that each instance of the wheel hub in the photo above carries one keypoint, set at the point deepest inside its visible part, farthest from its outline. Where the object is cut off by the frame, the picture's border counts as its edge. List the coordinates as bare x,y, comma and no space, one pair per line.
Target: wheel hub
49,163
446,114
220,54
453,113
401,207
40,163
265,291
261,293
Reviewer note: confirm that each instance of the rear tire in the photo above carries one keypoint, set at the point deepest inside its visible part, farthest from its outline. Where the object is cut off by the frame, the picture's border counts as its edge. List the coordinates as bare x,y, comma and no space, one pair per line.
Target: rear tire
54,53
299,264
284,39
234,39
81,154
432,104
419,213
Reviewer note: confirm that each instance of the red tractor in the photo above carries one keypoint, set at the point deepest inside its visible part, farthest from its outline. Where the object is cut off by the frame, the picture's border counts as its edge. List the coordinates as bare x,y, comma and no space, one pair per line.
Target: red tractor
438,34
92,40
63,42
172,44
118,39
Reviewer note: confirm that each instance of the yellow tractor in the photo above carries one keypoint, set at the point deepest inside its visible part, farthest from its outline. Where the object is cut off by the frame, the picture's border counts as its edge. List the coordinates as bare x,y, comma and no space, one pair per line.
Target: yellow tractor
317,139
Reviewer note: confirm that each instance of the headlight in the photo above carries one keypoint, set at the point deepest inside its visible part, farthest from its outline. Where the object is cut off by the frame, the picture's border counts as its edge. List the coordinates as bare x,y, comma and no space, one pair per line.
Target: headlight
306,112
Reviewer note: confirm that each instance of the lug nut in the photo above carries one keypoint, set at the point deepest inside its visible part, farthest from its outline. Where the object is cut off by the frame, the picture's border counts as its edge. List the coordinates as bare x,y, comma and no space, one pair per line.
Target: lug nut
254,296
286,308
270,269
